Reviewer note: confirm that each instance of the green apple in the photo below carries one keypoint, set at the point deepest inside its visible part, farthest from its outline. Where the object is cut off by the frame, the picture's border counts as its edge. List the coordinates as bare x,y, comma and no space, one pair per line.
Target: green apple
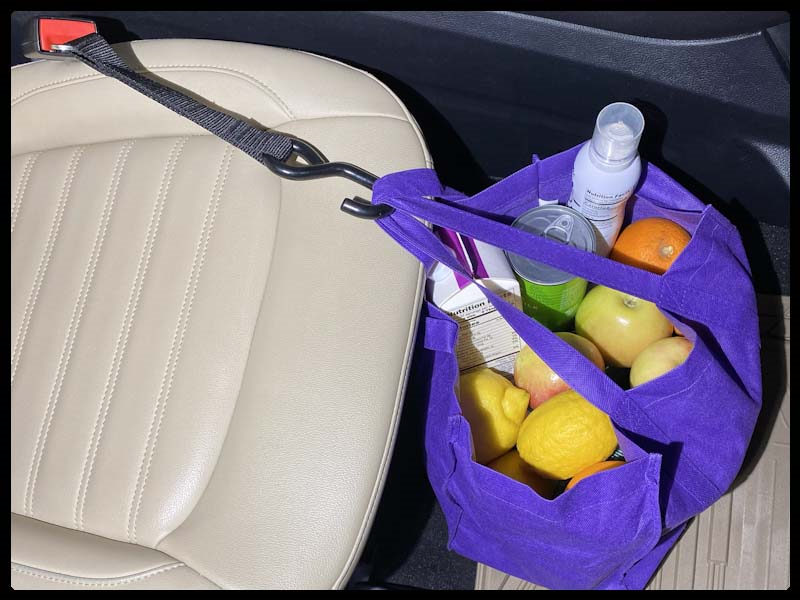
620,325
532,374
658,358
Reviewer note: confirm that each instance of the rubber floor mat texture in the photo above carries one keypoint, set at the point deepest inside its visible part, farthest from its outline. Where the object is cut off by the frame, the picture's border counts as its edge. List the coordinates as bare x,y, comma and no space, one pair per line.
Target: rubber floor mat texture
742,541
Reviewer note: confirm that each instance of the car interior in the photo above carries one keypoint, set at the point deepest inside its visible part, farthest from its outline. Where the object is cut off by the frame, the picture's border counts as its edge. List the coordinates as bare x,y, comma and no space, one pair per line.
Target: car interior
215,375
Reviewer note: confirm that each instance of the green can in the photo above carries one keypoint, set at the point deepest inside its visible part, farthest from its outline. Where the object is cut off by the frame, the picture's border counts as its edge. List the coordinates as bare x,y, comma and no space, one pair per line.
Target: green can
548,295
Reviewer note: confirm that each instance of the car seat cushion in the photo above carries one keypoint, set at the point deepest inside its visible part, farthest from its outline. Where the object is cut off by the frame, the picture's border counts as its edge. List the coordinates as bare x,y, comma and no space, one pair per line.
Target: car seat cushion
207,360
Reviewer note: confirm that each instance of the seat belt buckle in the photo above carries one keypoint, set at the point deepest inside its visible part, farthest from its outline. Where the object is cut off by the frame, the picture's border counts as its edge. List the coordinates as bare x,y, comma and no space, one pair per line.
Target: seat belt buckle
49,37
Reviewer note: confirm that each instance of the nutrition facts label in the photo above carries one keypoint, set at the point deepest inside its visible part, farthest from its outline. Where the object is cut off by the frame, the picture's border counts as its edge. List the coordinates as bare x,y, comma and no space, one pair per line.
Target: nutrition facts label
605,212
485,339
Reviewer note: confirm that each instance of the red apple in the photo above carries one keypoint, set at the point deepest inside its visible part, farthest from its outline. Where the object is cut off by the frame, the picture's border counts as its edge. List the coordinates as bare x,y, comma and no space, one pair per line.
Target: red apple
658,358
620,325
532,374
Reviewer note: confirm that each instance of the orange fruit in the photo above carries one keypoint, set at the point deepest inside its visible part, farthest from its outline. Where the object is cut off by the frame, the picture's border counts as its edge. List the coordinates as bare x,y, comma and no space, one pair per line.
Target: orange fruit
651,244
592,469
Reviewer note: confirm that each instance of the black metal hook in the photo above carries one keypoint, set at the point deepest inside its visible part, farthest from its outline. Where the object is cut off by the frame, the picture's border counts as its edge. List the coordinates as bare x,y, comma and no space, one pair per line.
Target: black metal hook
318,166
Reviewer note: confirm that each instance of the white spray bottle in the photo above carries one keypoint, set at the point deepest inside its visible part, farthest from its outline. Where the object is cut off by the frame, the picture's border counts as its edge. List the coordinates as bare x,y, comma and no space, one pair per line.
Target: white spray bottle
607,170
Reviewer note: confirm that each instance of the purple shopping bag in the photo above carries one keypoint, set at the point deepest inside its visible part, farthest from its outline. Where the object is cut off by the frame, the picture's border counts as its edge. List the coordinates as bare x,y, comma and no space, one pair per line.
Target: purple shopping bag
684,434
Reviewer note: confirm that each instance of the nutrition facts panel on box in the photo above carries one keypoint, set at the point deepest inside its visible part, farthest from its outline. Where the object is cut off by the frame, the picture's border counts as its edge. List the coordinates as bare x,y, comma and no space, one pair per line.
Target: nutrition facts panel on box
485,339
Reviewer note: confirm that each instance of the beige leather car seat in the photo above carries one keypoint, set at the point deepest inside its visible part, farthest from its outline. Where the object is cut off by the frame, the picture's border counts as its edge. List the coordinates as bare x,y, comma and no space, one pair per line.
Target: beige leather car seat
207,361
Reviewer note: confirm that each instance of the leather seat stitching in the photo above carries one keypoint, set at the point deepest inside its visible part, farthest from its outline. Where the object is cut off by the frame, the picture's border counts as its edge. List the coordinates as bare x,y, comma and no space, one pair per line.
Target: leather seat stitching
125,138
342,116
271,92
32,91
258,83
206,134
22,187
44,263
190,293
91,581
111,197
153,228
85,289
279,206
30,308
409,117
121,345
230,71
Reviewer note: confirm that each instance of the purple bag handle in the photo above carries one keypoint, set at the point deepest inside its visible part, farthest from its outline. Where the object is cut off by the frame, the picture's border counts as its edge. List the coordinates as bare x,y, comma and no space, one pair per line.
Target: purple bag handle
411,193
592,267
582,375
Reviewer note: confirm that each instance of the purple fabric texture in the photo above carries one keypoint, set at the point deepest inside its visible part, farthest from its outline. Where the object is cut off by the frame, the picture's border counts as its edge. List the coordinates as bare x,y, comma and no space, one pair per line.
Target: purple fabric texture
684,434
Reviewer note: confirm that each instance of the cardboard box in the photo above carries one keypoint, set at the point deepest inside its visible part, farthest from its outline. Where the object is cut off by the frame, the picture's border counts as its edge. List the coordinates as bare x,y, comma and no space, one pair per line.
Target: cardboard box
485,339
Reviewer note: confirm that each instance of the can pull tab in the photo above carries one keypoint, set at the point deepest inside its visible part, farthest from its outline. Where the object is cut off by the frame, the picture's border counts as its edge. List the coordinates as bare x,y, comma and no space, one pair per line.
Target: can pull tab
560,229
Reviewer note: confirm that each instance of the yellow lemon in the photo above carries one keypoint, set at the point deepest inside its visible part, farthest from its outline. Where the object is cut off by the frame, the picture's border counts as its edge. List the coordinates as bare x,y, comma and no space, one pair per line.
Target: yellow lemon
564,435
494,408
512,465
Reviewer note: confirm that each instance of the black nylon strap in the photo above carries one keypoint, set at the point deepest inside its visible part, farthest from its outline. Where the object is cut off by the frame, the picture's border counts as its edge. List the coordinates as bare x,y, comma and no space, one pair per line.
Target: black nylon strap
94,51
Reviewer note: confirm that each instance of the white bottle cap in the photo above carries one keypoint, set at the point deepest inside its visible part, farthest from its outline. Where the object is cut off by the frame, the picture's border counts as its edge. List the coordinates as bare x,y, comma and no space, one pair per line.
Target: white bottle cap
617,133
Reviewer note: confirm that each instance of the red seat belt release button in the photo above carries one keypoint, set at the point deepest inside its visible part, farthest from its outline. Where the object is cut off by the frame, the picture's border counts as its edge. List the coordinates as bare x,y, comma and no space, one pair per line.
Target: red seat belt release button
45,34
61,31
